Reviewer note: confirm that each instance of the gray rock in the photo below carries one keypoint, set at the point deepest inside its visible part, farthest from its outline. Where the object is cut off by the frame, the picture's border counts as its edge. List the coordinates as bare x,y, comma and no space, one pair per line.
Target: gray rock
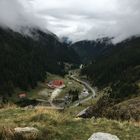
85,113
26,130
103,136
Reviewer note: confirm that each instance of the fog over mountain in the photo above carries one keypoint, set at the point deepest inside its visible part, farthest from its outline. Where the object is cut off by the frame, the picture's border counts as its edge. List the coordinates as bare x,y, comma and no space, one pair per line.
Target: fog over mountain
16,14
76,19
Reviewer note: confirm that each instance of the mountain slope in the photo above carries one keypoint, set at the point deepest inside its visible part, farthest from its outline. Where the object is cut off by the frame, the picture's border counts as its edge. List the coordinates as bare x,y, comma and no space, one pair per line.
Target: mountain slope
24,60
123,60
91,50
120,71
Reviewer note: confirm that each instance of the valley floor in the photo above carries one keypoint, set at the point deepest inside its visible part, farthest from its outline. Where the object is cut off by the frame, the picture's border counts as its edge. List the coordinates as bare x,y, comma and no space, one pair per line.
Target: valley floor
61,124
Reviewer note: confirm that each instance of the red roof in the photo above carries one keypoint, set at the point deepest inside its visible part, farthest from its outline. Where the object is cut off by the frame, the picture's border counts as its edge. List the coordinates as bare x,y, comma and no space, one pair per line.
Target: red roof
23,95
58,82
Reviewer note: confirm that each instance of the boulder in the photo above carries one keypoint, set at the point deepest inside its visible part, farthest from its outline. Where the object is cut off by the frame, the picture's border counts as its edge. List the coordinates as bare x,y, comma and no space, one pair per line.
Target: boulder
103,136
86,113
26,130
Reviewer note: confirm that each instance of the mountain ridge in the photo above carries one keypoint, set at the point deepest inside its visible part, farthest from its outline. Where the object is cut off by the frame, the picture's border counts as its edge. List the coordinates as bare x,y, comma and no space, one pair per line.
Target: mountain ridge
24,59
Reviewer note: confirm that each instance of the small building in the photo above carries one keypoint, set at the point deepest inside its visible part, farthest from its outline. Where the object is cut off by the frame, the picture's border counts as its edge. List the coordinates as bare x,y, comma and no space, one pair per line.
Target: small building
84,93
22,95
56,84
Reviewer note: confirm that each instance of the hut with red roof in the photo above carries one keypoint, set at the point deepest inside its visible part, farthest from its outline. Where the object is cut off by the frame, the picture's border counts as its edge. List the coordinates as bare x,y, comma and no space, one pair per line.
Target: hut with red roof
22,95
56,84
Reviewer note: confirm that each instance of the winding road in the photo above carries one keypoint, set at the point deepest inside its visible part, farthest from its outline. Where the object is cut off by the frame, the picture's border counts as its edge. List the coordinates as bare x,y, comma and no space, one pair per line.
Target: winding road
57,91
88,87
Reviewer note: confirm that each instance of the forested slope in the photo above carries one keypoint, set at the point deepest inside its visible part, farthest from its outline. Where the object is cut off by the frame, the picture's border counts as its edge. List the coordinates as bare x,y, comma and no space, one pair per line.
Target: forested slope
24,59
90,50
120,72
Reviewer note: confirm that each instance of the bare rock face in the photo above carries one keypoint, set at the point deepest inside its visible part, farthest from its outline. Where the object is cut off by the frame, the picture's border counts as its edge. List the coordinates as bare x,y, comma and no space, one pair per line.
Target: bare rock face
103,136
26,130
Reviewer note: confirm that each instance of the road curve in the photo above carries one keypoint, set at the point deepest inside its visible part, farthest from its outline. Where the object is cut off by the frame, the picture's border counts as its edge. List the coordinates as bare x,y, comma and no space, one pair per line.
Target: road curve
55,107
88,87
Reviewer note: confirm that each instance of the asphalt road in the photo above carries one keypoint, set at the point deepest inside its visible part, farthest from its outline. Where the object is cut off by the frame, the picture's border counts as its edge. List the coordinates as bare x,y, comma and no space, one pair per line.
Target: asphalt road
56,91
93,93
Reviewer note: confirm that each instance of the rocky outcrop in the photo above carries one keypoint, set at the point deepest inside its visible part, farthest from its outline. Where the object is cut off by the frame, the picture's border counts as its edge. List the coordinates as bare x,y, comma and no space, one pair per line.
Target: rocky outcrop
86,113
26,130
103,136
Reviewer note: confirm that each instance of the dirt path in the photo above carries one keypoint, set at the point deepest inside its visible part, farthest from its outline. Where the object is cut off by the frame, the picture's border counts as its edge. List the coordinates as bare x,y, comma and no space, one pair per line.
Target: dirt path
57,91
54,94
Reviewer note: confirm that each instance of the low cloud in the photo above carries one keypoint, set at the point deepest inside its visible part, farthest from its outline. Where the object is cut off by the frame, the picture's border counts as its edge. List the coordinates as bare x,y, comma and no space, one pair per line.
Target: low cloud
15,14
76,19
90,19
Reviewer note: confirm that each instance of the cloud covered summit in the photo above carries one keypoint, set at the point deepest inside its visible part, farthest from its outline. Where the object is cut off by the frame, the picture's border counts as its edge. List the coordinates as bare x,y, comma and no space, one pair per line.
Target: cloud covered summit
76,19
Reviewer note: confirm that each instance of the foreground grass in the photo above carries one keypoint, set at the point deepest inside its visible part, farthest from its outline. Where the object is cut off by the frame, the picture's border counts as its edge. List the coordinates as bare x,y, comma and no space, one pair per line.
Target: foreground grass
56,125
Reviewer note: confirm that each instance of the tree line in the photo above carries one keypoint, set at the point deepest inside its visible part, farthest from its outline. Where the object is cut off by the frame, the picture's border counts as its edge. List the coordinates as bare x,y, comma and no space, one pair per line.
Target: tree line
120,69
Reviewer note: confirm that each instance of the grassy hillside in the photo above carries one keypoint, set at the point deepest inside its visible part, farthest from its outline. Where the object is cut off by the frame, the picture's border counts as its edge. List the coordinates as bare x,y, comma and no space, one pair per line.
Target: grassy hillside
56,125
126,110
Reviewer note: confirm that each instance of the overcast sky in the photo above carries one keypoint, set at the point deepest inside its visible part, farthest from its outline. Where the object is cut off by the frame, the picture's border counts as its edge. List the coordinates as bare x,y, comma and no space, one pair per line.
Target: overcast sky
76,19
